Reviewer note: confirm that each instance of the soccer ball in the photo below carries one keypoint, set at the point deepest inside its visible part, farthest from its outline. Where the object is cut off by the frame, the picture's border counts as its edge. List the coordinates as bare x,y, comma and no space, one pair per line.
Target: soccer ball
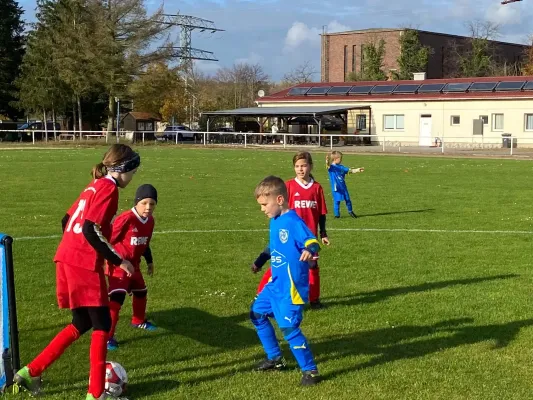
116,379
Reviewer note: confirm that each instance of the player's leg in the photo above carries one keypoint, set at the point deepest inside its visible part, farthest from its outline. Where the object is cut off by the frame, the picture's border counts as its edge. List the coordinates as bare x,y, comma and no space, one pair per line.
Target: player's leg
264,280
289,316
116,301
314,286
260,312
101,323
336,204
139,300
349,206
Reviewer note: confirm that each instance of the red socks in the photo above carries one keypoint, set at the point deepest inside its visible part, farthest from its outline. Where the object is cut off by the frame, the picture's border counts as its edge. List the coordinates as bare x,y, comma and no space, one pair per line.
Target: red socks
114,309
314,284
139,310
97,357
264,280
54,350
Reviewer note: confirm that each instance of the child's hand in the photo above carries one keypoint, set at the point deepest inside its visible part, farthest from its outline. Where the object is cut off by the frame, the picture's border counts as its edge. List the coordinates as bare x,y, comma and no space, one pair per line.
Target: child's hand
150,269
255,269
325,241
128,267
356,170
306,256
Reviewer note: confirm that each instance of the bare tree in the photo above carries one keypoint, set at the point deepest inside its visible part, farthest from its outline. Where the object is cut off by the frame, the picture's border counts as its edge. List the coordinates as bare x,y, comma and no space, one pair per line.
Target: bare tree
303,73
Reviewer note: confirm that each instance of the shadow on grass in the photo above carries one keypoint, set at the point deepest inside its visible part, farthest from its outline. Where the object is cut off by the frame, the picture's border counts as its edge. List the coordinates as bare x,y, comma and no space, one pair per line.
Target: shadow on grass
388,345
396,212
384,294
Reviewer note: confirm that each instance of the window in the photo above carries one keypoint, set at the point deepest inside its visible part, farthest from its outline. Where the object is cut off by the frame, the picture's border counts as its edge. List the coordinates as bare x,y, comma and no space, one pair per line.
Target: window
529,122
485,119
149,126
456,120
140,126
393,122
354,50
360,122
345,62
497,122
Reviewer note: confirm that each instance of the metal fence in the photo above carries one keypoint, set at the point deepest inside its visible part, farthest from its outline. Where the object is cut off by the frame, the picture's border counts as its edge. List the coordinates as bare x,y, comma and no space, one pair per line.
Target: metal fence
364,143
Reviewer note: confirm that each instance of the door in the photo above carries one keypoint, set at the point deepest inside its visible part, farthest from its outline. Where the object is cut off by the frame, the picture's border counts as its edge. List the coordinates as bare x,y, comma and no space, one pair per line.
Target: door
424,138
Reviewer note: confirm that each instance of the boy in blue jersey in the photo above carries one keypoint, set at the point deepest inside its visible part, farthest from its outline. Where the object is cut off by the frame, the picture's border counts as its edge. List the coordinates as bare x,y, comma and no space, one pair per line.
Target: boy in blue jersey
291,246
339,190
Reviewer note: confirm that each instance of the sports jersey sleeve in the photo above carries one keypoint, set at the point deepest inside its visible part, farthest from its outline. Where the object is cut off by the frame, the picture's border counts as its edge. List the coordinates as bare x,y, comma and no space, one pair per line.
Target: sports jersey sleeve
305,239
263,258
102,202
321,202
148,255
339,168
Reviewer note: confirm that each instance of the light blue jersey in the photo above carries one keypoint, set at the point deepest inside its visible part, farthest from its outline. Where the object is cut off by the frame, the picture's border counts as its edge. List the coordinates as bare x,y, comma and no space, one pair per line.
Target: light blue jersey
337,172
289,236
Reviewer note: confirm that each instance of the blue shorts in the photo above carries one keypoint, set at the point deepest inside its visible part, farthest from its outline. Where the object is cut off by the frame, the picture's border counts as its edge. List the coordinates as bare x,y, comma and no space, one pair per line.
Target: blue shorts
286,314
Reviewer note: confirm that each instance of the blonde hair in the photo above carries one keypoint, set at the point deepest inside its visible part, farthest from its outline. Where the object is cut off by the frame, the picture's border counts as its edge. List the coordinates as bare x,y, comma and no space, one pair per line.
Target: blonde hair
271,186
333,155
116,155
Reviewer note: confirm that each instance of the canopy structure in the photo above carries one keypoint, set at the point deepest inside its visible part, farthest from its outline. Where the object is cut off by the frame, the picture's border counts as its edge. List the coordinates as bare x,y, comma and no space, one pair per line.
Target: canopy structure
290,113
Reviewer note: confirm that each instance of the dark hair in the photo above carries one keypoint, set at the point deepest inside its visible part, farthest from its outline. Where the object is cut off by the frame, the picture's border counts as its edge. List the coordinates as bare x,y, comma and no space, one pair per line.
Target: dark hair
117,154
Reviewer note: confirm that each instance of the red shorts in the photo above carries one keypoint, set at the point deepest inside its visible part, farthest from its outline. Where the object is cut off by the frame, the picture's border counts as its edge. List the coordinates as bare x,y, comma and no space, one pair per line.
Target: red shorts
120,282
80,287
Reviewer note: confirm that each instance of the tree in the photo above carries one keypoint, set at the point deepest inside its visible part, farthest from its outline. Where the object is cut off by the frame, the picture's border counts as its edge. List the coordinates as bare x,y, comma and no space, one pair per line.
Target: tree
372,63
303,73
238,85
527,68
126,37
413,56
11,54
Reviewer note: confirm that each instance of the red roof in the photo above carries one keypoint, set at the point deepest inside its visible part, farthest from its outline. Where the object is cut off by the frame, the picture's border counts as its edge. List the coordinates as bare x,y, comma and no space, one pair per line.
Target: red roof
144,115
282,96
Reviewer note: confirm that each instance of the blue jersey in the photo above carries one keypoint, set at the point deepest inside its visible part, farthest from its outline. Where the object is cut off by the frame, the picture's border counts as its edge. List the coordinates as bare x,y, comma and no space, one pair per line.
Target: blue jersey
289,236
337,172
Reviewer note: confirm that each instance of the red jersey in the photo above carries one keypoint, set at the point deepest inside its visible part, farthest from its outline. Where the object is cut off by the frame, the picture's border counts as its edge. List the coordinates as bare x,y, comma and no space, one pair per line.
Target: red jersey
97,203
131,236
308,201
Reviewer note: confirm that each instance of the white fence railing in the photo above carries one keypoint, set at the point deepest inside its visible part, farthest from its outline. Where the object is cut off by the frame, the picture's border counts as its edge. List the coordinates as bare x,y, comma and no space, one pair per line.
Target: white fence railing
382,142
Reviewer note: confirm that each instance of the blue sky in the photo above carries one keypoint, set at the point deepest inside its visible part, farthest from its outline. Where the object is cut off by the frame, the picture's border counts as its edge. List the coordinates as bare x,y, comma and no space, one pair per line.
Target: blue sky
281,34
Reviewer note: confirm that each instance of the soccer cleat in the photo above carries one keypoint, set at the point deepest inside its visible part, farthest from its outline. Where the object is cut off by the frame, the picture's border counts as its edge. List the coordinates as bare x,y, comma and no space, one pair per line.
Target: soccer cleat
104,396
352,214
277,364
31,383
310,378
112,344
316,305
146,325
337,216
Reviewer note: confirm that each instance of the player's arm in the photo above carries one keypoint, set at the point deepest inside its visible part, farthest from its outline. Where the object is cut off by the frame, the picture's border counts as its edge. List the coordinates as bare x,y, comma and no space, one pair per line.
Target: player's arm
149,259
261,260
309,243
64,221
356,170
322,218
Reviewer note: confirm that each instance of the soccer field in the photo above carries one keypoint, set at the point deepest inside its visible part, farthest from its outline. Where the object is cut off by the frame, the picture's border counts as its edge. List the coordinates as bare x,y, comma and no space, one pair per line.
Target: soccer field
428,293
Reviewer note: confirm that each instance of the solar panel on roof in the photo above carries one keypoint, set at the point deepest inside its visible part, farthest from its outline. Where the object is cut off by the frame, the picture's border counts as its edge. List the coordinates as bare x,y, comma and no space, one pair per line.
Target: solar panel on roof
317,90
298,91
456,87
339,90
528,86
361,89
406,88
431,87
383,89
482,86
504,86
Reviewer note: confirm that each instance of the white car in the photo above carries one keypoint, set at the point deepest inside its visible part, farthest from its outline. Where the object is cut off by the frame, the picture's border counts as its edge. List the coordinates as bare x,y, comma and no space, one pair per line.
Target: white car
181,131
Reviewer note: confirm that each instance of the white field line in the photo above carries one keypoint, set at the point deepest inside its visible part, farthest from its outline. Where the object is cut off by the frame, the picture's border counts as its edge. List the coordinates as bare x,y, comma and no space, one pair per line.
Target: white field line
392,230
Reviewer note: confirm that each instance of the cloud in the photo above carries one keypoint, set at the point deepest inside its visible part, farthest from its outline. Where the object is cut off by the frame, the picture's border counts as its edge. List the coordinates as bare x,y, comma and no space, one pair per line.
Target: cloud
252,58
299,34
503,15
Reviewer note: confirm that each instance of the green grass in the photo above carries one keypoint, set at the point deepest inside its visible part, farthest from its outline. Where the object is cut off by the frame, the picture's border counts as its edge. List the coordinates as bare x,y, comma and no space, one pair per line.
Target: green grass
411,314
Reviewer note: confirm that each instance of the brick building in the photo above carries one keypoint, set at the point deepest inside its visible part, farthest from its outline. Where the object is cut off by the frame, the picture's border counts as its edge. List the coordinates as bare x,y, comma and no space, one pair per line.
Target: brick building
342,52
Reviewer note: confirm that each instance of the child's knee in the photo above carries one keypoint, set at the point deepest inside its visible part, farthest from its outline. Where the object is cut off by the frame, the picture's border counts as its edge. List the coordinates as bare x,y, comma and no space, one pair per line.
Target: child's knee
118,297
290,333
140,294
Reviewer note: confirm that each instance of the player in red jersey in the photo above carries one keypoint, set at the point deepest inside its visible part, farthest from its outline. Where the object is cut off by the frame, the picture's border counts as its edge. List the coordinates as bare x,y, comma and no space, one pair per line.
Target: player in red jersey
132,232
80,278
306,197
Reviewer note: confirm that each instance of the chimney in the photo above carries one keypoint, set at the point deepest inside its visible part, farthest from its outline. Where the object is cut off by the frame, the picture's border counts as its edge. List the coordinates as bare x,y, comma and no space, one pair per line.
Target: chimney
419,76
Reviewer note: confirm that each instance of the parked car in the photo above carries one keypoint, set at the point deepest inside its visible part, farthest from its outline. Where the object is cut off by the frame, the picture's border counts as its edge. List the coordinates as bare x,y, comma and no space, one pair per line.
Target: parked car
38,130
181,131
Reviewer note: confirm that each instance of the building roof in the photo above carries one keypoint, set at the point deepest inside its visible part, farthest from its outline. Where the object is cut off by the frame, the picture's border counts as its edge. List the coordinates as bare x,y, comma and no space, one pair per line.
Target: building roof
143,115
486,88
383,30
310,111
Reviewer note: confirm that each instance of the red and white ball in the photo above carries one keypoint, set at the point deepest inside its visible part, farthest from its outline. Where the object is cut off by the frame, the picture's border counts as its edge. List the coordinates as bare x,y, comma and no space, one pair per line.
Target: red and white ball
116,379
